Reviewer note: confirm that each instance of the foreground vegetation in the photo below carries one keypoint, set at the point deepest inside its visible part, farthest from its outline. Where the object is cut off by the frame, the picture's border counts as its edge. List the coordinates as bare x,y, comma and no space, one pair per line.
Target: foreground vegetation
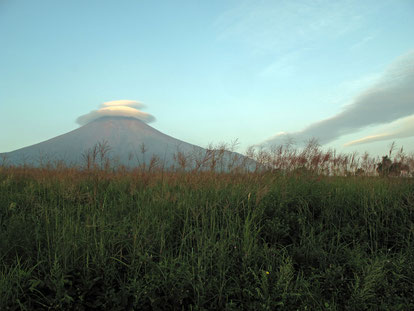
74,239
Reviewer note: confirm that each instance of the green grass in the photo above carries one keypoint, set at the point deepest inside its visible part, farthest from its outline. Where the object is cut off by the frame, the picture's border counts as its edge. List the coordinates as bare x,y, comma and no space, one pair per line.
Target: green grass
75,240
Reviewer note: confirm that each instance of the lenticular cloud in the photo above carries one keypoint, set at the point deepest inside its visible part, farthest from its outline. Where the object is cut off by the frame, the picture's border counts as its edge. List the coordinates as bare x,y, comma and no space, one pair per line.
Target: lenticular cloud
123,102
387,101
117,108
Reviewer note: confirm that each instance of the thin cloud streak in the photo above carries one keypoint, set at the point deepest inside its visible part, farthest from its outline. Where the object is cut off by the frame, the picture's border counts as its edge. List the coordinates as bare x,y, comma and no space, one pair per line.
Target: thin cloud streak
405,129
390,99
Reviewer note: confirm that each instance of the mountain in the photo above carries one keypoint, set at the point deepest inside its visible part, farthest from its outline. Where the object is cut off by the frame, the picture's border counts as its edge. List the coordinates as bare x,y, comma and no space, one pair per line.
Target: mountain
125,138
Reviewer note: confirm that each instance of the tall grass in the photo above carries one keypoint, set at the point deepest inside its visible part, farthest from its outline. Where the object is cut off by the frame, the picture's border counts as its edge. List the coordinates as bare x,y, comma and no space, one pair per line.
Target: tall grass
292,236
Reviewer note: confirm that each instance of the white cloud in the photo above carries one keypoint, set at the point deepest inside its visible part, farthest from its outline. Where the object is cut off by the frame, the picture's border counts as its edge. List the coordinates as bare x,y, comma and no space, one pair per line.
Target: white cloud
118,108
123,102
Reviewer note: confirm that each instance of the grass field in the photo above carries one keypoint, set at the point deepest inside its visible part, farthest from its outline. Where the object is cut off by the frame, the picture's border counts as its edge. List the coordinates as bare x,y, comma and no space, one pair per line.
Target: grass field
75,239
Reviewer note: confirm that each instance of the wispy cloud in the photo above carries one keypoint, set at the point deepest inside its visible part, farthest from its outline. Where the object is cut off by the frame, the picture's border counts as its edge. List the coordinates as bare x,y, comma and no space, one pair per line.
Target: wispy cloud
390,99
284,66
362,42
269,26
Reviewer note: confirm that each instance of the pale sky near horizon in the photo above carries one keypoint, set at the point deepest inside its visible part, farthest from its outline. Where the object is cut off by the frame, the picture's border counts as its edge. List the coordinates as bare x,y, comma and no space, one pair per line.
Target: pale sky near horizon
213,71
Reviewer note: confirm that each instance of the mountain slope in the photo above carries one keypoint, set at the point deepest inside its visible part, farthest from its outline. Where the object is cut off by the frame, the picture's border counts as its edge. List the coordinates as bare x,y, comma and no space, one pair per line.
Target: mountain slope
125,137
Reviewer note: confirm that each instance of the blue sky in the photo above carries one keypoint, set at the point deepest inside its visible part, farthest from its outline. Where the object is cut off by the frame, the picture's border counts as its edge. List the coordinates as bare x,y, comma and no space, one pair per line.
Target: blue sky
213,71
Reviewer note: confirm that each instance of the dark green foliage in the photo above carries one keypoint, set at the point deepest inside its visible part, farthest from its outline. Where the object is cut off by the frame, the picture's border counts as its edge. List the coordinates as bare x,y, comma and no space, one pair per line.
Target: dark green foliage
388,168
73,240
